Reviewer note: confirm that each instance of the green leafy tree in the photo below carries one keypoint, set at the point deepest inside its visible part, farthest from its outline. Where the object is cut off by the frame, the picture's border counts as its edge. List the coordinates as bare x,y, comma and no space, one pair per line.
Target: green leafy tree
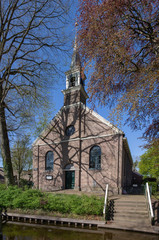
41,123
149,163
31,36
120,41
21,154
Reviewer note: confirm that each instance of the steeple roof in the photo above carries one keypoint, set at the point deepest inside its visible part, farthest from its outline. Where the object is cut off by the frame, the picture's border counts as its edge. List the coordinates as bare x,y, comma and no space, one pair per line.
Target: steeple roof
75,76
75,57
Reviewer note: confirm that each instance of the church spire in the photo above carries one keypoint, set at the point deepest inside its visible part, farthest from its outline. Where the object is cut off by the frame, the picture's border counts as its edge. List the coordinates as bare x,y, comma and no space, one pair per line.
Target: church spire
75,57
75,77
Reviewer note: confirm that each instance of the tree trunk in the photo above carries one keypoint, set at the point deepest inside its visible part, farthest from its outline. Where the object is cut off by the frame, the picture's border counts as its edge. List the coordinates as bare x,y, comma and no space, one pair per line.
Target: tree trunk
5,149
1,236
19,173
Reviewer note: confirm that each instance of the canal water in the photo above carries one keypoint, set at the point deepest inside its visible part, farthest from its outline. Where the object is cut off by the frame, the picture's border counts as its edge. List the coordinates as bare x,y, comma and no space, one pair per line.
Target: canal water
20,231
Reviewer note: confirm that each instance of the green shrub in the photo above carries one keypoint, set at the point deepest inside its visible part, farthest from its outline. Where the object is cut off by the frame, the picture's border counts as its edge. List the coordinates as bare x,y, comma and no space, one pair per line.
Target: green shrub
59,203
15,197
8,195
153,187
80,205
29,199
2,186
89,206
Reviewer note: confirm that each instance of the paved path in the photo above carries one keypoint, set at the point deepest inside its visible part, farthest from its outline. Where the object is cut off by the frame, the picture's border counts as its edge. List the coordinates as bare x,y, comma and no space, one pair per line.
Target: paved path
77,192
127,227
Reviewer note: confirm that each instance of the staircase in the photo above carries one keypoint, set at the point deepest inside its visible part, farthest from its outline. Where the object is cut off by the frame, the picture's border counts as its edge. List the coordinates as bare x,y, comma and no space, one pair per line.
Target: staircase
131,211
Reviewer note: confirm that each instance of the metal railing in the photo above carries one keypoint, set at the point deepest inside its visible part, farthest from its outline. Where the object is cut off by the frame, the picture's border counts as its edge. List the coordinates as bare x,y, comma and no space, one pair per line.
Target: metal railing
105,200
148,201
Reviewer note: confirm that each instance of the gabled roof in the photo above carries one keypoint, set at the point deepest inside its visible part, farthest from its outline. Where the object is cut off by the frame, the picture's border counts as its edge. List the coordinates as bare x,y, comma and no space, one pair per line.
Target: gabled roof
48,128
126,146
50,125
95,114
137,173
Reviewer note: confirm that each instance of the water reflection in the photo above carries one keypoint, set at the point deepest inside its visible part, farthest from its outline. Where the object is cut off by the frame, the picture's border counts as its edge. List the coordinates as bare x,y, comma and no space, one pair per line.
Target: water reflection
25,232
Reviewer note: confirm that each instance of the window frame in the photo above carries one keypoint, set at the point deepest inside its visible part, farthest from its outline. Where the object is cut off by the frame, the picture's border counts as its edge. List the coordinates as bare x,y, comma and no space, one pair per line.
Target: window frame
47,167
72,81
67,130
97,161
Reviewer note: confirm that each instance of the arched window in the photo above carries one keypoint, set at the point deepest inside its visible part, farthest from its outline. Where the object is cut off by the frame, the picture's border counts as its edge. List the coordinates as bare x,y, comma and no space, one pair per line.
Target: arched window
72,82
95,157
49,160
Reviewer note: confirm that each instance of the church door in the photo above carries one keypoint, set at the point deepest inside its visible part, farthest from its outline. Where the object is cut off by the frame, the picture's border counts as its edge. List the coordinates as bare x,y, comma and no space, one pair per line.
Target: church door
69,179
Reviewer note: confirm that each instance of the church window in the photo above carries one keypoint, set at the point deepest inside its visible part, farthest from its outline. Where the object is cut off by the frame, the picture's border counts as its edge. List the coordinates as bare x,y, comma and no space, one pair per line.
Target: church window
72,82
95,157
49,161
70,130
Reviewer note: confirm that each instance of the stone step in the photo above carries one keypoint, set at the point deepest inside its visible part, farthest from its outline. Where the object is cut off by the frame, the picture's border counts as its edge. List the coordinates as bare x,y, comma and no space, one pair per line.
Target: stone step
130,216
133,213
129,201
126,219
128,197
132,198
131,208
129,204
132,225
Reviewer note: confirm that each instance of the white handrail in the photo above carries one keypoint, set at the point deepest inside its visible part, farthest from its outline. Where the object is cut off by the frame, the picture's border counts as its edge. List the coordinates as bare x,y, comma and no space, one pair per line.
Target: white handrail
149,201
105,200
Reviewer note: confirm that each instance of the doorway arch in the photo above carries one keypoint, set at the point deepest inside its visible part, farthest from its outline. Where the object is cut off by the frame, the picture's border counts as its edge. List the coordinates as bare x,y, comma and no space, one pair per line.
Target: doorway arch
69,176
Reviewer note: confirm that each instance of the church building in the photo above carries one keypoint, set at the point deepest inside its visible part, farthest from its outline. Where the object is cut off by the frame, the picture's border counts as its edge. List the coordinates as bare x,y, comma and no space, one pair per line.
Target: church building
79,149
